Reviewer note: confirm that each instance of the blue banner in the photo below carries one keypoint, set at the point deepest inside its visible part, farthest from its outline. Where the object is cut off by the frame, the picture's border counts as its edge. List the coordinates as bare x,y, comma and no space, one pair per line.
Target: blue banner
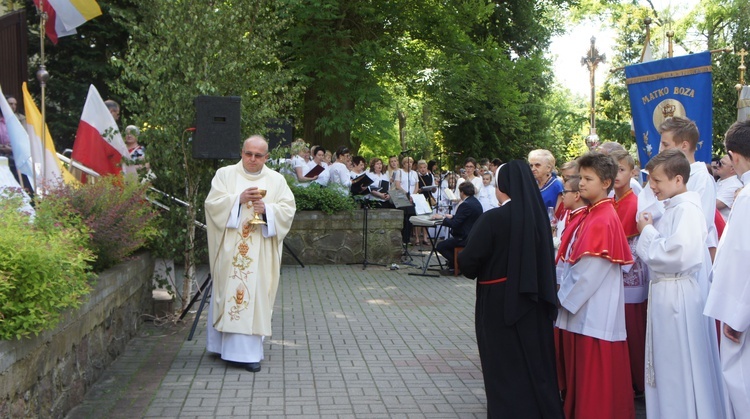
679,86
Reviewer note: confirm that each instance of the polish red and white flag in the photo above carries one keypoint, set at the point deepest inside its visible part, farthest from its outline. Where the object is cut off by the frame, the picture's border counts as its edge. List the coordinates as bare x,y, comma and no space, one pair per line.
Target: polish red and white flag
98,144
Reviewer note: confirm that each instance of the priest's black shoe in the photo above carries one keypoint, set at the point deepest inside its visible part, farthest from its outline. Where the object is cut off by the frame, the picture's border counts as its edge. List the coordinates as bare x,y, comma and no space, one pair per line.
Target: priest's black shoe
253,366
446,272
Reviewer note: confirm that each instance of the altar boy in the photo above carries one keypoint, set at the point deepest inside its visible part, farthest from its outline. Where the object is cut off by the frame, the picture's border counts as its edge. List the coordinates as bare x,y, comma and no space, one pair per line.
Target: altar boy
682,360
635,277
729,299
592,314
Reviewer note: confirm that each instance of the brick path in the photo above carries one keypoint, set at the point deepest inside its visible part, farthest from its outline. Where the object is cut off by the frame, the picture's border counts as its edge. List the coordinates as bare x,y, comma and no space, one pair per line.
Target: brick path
347,343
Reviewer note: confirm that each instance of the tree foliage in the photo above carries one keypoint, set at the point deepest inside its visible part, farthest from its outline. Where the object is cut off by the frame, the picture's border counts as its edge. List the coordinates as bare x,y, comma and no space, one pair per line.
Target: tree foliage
182,49
78,61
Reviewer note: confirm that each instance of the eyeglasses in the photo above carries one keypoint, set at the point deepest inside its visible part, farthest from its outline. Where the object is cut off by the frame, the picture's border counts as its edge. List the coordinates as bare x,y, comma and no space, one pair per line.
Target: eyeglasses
469,166
257,156
568,190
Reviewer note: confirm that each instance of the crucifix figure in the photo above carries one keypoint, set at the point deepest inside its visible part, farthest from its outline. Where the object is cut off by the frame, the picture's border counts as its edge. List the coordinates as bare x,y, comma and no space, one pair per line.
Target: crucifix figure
742,67
592,61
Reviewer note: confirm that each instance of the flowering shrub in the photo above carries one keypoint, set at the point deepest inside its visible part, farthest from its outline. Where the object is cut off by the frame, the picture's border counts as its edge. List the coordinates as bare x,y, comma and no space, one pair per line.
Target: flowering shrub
44,267
314,198
116,213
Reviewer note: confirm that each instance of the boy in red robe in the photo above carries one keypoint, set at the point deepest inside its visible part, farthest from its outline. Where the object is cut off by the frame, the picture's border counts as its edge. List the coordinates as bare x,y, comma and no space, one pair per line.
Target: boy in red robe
635,277
592,313
575,210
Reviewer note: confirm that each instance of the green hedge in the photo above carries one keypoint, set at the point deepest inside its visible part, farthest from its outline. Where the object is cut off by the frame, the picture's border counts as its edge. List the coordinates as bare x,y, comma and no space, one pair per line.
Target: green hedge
44,267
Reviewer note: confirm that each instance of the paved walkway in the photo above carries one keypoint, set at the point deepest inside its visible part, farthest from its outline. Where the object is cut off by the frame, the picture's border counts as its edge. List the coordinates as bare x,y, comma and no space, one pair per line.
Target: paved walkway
347,343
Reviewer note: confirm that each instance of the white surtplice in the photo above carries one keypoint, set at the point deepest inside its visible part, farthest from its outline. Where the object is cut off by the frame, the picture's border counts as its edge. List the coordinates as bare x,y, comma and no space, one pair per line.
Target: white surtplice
682,359
729,302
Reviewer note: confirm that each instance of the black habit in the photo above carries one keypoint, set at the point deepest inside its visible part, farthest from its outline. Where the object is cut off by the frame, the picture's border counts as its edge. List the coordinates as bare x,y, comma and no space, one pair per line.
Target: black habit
514,318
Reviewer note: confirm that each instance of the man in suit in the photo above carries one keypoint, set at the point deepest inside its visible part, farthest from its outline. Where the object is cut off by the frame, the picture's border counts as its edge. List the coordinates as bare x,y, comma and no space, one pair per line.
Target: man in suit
460,224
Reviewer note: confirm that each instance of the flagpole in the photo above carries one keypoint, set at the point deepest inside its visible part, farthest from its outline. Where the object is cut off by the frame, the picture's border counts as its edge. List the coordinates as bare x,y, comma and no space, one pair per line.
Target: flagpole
42,75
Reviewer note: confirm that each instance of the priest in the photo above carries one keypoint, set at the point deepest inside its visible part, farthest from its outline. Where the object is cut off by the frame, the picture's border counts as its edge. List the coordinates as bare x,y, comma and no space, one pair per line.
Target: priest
245,258
729,297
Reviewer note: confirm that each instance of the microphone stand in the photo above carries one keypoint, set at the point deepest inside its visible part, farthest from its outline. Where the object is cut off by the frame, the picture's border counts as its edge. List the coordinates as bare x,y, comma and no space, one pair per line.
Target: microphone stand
365,208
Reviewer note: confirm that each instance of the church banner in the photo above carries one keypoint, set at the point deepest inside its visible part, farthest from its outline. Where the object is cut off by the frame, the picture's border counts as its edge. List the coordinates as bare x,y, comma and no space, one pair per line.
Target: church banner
678,86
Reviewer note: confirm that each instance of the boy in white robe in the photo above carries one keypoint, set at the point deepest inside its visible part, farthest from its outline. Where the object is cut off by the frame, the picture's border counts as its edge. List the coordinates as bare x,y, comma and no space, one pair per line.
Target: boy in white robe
486,194
682,134
682,364
729,299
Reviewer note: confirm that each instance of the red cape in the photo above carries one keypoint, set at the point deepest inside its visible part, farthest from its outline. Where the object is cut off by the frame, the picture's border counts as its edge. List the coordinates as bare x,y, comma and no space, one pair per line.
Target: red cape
572,222
601,235
626,208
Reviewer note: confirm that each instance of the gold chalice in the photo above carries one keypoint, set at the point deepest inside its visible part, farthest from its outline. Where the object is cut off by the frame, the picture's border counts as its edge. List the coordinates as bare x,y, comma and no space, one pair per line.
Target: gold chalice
256,218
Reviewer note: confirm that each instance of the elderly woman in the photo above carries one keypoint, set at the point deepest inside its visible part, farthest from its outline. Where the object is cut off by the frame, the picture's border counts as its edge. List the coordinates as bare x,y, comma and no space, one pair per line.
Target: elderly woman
137,158
542,163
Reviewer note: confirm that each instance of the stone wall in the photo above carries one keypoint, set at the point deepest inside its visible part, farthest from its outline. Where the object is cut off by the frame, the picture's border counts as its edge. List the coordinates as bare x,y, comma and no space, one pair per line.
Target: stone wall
45,376
318,238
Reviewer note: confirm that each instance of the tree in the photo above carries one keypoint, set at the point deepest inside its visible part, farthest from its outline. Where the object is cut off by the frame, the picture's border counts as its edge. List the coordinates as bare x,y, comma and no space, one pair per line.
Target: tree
183,49
78,61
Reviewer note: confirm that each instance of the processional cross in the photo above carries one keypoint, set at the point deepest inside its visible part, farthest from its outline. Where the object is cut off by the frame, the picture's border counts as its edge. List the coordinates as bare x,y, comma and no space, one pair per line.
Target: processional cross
592,61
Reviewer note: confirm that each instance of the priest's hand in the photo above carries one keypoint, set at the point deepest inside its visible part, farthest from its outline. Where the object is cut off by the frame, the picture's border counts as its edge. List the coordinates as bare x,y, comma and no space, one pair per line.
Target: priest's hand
732,334
250,194
259,207
644,219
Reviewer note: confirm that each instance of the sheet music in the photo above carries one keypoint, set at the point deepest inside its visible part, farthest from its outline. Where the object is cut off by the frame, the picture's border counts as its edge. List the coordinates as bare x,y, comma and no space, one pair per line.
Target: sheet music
420,204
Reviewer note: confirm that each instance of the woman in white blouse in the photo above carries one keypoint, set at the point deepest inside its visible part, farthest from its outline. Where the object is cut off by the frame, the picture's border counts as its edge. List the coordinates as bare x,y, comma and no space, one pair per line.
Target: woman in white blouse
339,170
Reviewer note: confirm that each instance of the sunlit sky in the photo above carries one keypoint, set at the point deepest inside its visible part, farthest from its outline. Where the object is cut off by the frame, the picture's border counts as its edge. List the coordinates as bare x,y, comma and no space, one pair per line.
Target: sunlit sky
567,50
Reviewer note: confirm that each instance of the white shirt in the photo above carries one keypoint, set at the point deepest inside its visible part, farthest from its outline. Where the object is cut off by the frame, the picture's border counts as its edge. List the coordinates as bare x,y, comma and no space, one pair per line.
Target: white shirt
376,180
340,174
323,178
725,189
409,180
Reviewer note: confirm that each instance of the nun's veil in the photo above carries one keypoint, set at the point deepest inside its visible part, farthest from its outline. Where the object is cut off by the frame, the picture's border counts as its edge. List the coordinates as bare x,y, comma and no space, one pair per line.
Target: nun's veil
531,264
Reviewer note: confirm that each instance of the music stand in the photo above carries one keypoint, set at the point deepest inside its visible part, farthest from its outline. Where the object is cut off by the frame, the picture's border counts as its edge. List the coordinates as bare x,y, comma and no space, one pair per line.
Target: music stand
365,208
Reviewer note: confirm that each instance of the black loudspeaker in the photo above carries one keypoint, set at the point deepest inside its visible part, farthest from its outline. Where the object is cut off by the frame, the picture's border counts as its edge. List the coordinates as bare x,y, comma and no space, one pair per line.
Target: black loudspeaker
217,128
279,132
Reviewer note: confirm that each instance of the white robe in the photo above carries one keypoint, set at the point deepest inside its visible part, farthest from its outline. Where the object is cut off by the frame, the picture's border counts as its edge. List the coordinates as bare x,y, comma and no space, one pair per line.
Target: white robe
245,260
729,302
592,297
702,183
487,197
681,347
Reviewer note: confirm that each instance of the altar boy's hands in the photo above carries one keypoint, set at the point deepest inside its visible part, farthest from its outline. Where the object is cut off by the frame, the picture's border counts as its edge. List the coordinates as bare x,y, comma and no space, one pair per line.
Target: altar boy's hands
644,219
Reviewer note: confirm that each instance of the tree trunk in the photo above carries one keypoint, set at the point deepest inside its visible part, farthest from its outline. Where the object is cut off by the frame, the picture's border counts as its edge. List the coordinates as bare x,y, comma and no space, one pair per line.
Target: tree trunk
402,128
313,112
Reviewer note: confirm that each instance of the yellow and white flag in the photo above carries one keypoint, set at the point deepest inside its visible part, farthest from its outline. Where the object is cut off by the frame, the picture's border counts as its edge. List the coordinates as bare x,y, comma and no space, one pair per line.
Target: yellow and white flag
743,105
49,169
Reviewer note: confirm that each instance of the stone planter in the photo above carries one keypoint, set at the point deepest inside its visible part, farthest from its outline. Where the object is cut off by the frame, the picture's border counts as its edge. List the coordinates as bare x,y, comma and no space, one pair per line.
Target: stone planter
47,375
318,238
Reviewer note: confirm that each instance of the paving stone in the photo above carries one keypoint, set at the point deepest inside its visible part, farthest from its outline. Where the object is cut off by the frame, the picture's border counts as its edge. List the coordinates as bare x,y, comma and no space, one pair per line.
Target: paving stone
347,343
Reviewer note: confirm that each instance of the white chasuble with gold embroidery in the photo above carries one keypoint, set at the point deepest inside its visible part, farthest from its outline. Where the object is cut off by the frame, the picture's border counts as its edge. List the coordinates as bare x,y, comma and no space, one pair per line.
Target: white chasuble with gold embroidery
245,259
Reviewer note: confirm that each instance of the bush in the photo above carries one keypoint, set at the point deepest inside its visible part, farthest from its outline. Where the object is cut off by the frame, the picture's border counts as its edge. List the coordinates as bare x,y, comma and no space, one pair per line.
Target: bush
44,267
315,198
116,212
